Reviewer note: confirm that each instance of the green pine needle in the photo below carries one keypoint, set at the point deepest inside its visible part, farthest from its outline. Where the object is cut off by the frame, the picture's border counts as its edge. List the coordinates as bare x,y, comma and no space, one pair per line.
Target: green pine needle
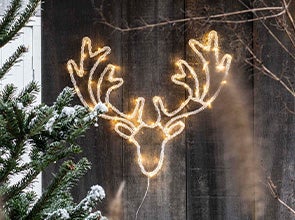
7,93
67,177
20,205
12,60
9,16
48,133
64,98
20,22
28,94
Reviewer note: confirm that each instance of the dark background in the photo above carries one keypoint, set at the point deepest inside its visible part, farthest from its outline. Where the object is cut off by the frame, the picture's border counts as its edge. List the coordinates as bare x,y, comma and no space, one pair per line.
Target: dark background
218,167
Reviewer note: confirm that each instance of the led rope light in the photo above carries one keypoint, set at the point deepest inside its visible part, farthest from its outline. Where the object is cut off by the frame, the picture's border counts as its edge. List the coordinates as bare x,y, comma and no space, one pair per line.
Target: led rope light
125,122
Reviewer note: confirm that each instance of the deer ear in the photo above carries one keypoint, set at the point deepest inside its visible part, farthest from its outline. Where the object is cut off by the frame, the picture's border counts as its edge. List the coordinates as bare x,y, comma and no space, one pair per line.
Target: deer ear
123,130
175,129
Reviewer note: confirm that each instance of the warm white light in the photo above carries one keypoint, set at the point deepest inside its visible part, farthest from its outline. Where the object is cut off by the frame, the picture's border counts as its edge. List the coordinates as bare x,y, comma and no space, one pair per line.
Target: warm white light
128,125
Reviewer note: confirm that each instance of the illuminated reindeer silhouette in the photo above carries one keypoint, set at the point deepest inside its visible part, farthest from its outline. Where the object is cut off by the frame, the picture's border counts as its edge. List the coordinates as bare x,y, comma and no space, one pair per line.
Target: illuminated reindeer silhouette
128,125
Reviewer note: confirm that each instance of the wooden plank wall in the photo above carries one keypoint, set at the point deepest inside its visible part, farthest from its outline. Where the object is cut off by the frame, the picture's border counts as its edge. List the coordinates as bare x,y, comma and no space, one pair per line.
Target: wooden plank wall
213,171
210,168
274,115
65,23
147,60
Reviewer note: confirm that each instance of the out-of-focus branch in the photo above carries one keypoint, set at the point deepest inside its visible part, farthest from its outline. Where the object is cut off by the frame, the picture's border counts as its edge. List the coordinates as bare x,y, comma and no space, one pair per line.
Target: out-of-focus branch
273,190
260,14
263,69
282,23
271,32
217,18
289,14
288,109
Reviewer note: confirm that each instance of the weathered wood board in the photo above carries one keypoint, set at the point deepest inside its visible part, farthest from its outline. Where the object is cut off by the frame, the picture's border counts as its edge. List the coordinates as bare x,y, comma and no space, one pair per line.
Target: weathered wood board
209,168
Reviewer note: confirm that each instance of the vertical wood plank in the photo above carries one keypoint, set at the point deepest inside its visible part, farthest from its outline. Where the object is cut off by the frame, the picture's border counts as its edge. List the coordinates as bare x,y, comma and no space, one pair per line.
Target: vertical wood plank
214,186
64,24
274,120
147,60
215,137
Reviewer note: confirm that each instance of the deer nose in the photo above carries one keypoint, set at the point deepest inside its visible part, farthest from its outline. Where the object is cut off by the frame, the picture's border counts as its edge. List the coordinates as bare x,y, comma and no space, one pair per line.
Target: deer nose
150,150
150,167
149,157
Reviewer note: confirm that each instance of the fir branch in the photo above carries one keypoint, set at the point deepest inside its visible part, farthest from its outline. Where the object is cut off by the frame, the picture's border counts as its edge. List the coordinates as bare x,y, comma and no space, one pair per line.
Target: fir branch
11,162
12,60
64,98
59,214
12,119
54,153
85,207
21,168
95,216
37,166
59,150
7,93
15,190
28,94
51,133
68,123
20,205
76,172
20,118
36,120
46,195
9,16
68,176
20,22
63,201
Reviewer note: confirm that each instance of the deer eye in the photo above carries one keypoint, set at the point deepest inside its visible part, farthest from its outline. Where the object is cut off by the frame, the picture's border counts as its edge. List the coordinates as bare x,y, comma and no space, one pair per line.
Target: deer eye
175,129
123,130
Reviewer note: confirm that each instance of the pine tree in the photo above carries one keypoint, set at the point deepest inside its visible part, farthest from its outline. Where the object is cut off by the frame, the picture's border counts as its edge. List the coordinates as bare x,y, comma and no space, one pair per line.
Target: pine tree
49,133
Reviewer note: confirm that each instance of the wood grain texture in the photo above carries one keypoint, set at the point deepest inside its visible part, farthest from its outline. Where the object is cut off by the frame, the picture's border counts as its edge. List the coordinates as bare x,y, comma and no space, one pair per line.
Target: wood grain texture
148,60
64,24
219,140
210,169
274,123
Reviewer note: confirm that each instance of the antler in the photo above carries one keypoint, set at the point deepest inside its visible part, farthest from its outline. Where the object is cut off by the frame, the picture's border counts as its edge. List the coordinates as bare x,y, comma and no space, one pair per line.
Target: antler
124,119
108,75
194,94
72,67
133,122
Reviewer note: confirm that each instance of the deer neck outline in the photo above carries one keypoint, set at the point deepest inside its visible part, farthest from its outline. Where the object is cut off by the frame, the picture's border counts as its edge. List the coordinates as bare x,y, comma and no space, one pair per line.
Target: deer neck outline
128,125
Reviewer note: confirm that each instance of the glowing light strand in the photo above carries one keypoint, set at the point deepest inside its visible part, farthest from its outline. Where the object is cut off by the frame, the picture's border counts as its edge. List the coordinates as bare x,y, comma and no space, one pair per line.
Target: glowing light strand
175,125
144,196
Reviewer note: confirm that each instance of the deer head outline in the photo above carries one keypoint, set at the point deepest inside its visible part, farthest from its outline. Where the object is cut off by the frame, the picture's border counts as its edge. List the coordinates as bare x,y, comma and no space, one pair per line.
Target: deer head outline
125,124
